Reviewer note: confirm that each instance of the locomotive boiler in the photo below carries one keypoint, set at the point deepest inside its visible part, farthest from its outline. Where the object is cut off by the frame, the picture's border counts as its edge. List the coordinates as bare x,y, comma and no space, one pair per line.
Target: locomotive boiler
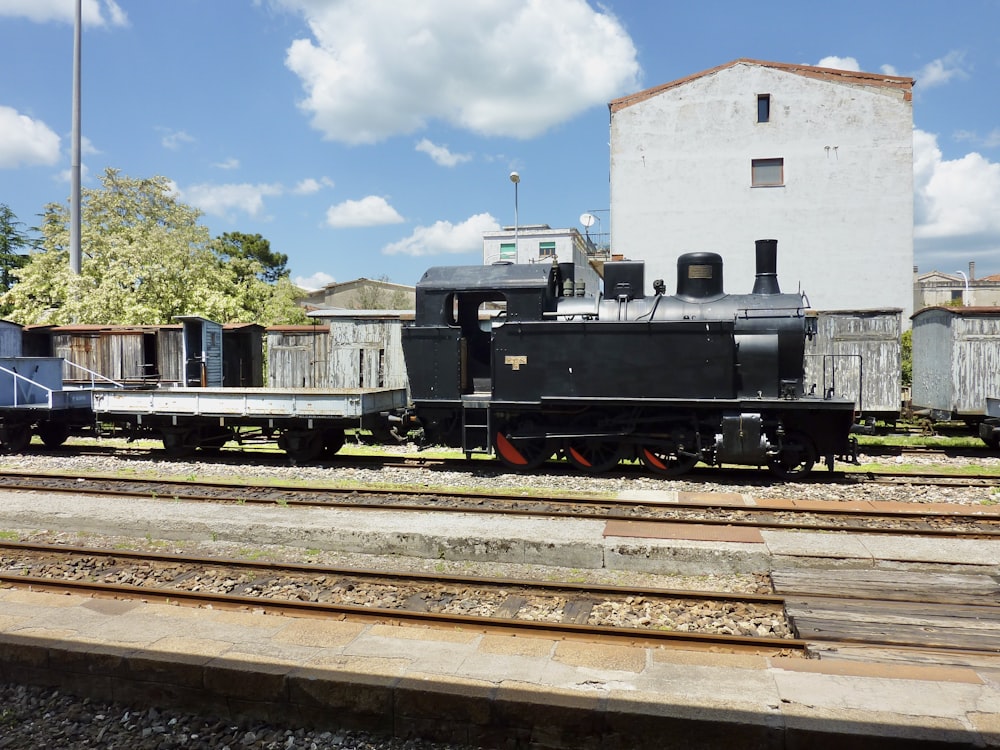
515,359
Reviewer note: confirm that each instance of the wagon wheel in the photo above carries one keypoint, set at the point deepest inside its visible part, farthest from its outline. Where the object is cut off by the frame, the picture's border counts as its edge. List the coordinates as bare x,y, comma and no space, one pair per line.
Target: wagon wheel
53,434
213,442
15,438
302,446
333,440
178,442
593,455
670,463
522,454
797,457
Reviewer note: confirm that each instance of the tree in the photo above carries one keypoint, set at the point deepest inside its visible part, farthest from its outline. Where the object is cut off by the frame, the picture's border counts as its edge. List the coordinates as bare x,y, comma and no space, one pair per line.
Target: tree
13,246
375,296
237,245
146,259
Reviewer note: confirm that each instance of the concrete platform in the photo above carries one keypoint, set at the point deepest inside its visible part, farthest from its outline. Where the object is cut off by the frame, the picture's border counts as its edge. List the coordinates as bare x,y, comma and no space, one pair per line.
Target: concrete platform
486,688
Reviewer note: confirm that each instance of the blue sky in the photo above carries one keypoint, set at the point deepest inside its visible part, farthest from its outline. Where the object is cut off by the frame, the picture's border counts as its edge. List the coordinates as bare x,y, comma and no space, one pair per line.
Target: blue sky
375,137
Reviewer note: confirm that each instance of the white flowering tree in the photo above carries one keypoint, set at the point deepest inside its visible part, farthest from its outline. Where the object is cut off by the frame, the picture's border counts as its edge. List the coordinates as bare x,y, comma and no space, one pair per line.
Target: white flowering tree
145,259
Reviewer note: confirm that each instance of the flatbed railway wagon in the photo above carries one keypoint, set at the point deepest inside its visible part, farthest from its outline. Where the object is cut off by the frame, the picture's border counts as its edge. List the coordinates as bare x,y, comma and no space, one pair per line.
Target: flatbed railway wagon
32,399
306,422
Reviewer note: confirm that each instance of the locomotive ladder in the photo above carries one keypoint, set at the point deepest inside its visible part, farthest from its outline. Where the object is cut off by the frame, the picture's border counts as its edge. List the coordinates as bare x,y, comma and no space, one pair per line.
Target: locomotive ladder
476,431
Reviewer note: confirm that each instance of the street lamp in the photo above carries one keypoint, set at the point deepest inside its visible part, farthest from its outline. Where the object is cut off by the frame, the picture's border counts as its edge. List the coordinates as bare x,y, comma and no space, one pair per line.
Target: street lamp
515,178
966,280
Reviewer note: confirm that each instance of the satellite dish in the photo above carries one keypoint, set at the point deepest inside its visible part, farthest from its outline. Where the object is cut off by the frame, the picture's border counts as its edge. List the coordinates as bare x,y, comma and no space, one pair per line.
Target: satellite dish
587,220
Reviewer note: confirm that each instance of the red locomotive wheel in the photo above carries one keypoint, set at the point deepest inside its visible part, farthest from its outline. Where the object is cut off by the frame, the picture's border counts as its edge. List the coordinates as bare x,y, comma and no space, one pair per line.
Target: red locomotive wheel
524,454
593,456
668,463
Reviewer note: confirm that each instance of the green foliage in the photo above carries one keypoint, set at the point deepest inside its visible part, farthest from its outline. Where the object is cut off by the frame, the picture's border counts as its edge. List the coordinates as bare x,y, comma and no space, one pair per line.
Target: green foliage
906,357
235,246
14,244
145,259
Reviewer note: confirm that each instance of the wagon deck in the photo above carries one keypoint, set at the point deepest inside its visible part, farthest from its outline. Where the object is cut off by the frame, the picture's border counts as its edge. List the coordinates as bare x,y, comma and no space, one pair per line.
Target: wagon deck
258,403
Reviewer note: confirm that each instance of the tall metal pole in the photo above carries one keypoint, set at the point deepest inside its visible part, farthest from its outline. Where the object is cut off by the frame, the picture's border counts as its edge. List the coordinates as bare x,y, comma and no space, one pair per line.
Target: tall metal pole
515,178
74,199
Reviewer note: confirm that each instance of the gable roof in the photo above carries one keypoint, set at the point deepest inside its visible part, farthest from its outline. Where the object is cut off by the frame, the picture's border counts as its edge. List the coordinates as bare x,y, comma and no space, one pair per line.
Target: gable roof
809,71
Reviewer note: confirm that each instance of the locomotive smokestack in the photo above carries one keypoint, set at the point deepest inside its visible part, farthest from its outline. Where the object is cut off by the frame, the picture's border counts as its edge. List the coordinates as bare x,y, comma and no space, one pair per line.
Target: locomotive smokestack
766,281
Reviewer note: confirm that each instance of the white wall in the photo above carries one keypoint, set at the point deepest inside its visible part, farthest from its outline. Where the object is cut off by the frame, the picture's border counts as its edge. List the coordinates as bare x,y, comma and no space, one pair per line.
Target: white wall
681,181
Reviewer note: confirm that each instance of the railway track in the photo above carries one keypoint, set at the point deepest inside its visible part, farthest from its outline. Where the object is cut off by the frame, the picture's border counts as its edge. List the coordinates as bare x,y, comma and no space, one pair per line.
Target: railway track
640,616
932,476
972,522
920,617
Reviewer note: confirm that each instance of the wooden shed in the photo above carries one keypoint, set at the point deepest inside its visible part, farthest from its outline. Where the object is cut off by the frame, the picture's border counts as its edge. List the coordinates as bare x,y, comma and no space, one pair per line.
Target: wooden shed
297,355
124,354
242,355
857,354
956,360
10,339
358,349
202,351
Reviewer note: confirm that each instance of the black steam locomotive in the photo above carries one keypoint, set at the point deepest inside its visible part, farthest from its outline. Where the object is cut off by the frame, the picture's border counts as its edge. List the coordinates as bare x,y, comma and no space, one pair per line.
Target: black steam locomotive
507,358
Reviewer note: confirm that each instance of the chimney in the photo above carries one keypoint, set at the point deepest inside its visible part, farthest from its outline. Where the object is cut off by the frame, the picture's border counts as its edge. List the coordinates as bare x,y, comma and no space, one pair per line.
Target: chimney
972,270
766,281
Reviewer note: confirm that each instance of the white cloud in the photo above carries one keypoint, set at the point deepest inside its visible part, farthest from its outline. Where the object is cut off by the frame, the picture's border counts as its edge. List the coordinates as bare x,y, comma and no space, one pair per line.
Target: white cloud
955,203
93,12
935,73
25,141
839,63
230,163
513,68
312,283
311,185
174,139
441,155
445,237
371,211
223,200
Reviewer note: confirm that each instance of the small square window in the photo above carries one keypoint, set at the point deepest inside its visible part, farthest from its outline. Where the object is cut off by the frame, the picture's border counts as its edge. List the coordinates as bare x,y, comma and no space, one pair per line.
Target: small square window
763,107
767,172
546,249
508,252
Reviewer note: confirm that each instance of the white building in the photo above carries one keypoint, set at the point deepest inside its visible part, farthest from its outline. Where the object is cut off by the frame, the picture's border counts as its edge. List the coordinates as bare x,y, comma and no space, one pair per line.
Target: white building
539,243
819,159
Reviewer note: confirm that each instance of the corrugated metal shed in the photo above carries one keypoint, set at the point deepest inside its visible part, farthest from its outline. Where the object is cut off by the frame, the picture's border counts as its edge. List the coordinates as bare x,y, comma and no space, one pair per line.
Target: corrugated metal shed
857,353
956,360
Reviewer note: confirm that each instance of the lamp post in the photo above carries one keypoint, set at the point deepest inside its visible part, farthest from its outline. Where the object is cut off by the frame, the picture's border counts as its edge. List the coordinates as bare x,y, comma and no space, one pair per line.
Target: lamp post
966,294
515,178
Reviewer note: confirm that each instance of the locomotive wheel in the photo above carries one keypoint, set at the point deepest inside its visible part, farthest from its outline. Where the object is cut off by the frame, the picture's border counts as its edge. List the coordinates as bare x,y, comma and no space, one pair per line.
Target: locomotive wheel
53,434
668,463
798,456
522,455
593,456
333,441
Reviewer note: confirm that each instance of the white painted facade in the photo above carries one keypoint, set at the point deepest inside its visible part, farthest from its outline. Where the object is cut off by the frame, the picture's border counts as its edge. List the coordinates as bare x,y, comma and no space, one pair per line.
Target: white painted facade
539,243
681,179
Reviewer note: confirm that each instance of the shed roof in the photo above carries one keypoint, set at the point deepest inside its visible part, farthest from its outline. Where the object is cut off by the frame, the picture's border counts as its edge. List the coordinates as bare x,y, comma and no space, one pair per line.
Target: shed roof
980,311
851,77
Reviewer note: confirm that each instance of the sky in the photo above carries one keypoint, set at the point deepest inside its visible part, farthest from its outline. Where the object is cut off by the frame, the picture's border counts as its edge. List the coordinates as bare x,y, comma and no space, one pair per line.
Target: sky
375,138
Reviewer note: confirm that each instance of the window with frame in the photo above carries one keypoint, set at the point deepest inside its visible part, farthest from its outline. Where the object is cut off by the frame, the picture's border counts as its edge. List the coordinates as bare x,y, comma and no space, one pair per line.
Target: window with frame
508,251
763,107
546,249
767,172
